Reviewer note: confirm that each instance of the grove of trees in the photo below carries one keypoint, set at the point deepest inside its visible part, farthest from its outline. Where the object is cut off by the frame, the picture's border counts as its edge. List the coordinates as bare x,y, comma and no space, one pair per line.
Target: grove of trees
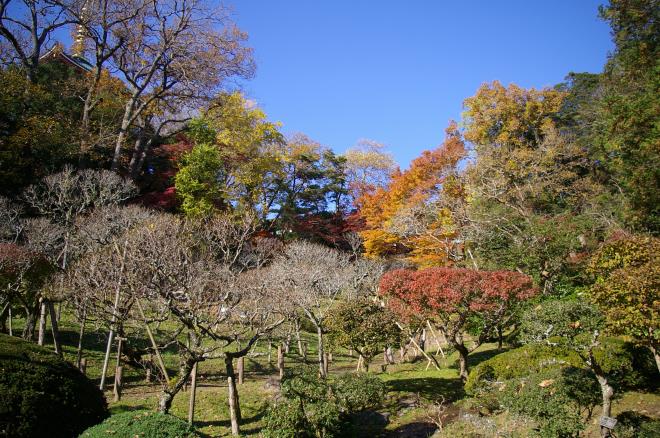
145,199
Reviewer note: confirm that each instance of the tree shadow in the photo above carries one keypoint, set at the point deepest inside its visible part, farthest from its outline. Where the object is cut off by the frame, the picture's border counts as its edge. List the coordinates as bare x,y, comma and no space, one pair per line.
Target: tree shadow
418,429
480,356
227,423
123,408
431,388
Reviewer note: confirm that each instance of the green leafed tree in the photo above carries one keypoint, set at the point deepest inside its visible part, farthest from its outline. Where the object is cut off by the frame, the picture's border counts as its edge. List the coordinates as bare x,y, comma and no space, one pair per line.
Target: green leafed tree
196,182
364,326
627,288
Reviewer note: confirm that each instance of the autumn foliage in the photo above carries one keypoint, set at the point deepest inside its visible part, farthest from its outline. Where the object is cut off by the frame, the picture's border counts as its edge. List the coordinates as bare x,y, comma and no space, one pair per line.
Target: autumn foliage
454,298
420,184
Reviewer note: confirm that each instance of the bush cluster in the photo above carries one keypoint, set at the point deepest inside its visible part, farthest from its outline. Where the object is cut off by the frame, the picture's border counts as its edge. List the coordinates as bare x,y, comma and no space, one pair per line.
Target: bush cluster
141,424
314,407
42,395
627,365
552,386
635,425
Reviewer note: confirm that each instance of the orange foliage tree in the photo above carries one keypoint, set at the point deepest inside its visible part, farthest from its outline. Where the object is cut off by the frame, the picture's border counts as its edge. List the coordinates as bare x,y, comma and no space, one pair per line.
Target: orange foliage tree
397,217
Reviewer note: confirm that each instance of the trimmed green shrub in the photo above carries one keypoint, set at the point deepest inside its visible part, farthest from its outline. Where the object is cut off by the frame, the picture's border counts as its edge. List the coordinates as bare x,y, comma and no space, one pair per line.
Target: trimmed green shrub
42,395
559,400
148,424
519,362
358,392
314,407
627,366
635,425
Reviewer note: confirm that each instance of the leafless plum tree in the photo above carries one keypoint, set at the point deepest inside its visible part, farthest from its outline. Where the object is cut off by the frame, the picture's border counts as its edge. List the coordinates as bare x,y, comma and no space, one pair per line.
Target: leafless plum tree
315,276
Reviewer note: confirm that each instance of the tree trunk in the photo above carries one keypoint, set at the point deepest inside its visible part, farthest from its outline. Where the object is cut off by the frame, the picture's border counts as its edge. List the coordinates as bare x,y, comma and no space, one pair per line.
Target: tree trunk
81,334
241,369
280,360
607,392
123,131
462,360
234,403
298,339
321,353
499,338
654,350
30,322
138,150
172,388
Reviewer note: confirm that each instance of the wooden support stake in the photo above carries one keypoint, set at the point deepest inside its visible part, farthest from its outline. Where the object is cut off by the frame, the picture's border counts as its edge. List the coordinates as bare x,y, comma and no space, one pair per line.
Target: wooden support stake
11,331
437,339
113,320
54,328
118,383
153,342
193,391
118,370
241,364
42,322
280,360
234,406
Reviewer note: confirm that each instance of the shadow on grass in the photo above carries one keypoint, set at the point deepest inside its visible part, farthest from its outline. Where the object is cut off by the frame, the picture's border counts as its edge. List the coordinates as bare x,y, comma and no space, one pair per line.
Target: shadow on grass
417,429
431,388
123,408
226,423
480,356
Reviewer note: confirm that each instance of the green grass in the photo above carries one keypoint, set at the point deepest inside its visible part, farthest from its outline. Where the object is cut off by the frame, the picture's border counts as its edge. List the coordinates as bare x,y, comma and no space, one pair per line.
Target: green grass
411,388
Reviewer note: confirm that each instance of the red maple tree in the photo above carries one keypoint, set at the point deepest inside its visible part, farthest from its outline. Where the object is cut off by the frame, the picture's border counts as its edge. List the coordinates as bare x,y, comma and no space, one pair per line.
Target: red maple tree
459,301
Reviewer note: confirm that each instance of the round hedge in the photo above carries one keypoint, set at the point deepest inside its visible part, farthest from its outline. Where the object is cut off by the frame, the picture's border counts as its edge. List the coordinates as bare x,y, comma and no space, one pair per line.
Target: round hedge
141,424
42,395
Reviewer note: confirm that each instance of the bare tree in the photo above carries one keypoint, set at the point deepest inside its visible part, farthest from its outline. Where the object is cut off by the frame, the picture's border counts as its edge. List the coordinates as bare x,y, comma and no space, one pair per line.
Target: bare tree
202,276
175,59
28,27
315,276
62,197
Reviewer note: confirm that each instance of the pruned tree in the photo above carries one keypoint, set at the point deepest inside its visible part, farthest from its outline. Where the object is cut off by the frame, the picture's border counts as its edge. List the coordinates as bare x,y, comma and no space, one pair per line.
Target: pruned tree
23,274
315,276
627,271
577,326
60,198
459,300
364,326
202,277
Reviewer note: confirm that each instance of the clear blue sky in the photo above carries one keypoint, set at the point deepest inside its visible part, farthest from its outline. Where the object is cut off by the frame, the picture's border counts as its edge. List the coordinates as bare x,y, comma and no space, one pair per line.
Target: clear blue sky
396,72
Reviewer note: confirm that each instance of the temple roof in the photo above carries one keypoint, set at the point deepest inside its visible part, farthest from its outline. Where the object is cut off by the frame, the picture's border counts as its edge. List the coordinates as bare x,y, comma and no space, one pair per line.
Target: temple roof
76,61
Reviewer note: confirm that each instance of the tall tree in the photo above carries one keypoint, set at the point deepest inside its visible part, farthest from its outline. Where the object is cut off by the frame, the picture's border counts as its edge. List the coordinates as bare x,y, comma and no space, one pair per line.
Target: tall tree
629,109
534,199
410,191
175,57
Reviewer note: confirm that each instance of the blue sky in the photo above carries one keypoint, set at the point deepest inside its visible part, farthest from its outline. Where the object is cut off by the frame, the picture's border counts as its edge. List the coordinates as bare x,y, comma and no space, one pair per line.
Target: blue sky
396,72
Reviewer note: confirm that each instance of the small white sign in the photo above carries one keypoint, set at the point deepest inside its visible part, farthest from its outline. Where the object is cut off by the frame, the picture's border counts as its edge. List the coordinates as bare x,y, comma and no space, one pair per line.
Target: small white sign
608,422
